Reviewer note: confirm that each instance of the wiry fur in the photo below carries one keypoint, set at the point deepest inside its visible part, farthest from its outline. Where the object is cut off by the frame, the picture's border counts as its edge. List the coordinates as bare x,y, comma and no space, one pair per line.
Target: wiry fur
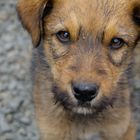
87,57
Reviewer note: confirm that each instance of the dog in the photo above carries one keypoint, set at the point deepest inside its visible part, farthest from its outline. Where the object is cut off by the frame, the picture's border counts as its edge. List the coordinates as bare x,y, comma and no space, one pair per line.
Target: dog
82,64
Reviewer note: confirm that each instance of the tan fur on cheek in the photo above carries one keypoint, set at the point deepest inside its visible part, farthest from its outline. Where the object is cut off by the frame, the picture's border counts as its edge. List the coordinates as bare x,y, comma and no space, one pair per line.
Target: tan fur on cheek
117,57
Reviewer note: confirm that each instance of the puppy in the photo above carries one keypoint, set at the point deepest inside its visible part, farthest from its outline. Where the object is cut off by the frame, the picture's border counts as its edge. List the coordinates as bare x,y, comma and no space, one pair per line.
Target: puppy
81,66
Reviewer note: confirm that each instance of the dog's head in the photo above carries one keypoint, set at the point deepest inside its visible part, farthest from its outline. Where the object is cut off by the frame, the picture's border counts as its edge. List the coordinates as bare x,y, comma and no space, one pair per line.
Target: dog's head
89,45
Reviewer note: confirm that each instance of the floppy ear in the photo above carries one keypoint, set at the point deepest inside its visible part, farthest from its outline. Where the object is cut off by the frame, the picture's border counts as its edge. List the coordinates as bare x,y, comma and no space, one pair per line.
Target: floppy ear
31,15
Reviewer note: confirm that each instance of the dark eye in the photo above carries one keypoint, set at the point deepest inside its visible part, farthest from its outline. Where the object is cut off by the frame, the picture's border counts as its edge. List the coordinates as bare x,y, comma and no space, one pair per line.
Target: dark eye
116,43
63,36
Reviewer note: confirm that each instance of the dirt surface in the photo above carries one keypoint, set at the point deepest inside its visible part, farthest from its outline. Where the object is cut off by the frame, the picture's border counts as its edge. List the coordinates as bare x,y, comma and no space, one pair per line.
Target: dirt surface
16,106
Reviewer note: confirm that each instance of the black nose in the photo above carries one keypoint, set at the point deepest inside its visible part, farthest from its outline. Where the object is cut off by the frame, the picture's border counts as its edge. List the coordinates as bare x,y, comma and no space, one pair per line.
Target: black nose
85,91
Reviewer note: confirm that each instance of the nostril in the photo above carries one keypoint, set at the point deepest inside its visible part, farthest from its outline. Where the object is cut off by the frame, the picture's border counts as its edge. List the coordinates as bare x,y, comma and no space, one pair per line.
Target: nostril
85,91
77,90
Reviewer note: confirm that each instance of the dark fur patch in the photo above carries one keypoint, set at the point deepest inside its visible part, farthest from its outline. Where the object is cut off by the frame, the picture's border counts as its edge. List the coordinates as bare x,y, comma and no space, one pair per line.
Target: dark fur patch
136,15
48,8
61,97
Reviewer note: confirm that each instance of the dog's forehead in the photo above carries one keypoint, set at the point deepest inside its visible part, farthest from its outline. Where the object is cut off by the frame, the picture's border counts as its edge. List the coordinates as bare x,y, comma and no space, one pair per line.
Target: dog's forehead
92,12
94,7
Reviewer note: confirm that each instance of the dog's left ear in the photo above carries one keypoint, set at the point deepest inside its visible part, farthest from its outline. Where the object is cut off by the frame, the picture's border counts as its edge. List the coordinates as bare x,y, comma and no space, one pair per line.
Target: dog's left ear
31,15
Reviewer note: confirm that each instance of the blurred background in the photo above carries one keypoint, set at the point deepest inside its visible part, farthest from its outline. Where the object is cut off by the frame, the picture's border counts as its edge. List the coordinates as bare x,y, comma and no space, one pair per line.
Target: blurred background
16,106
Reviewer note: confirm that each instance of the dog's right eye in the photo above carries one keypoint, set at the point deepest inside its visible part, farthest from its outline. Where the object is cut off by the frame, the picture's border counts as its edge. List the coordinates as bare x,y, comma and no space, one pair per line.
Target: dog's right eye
63,36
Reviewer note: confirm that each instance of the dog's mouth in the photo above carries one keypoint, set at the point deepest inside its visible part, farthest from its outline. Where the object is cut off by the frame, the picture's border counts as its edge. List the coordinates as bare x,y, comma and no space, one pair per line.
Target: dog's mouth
84,108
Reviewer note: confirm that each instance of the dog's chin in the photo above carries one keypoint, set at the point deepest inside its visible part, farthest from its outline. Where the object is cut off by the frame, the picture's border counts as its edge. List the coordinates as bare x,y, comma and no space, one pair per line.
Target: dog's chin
82,110
77,108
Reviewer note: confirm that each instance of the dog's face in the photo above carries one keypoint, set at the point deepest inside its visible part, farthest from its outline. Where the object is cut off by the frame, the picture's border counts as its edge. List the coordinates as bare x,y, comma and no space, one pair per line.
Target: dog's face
89,46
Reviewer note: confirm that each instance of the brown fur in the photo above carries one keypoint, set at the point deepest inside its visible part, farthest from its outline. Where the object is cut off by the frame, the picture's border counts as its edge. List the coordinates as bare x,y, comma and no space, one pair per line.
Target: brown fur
87,57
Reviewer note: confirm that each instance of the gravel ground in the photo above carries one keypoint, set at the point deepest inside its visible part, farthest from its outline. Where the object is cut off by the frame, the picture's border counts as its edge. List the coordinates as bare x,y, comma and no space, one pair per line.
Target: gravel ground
16,106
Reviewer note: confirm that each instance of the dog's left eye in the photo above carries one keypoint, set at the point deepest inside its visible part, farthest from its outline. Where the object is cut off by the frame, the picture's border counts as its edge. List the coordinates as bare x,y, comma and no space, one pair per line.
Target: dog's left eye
63,36
116,43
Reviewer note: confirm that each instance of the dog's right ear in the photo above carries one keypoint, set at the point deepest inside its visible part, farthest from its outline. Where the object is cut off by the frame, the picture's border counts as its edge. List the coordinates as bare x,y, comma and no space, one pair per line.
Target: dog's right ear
31,15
